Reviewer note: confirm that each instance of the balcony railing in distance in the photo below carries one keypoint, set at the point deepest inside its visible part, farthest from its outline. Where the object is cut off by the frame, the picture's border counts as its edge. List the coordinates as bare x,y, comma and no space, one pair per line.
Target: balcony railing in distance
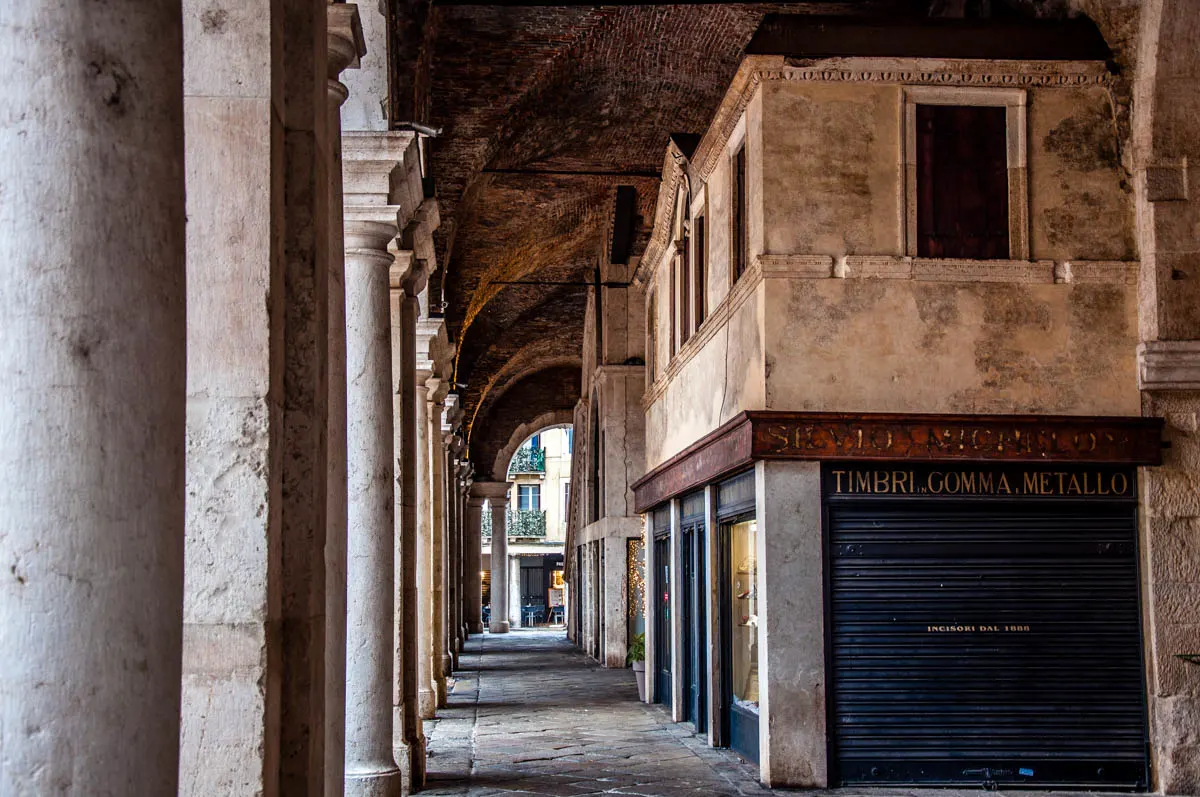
521,523
527,460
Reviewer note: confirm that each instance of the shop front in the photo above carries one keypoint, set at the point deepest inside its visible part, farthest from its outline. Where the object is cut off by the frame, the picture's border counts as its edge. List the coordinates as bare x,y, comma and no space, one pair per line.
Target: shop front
984,625
693,611
913,600
738,604
662,621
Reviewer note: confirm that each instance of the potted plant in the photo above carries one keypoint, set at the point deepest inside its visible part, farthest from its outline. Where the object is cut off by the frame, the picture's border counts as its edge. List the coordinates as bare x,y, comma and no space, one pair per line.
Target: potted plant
637,657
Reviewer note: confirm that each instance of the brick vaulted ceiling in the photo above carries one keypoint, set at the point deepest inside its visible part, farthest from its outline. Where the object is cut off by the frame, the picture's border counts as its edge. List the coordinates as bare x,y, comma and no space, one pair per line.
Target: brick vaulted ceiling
544,110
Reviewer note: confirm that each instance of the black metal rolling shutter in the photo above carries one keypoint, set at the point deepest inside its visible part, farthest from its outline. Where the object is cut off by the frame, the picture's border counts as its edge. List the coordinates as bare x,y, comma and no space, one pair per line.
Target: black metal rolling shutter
935,678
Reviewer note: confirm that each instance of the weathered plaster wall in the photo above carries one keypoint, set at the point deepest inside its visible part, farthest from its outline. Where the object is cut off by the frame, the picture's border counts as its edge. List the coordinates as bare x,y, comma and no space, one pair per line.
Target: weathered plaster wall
728,348
832,168
725,376
950,346
1081,201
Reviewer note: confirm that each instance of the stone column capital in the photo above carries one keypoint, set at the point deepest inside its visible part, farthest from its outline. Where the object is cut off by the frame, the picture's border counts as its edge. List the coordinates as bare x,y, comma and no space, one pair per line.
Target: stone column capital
343,38
344,45
369,239
400,278
492,491
439,390
382,176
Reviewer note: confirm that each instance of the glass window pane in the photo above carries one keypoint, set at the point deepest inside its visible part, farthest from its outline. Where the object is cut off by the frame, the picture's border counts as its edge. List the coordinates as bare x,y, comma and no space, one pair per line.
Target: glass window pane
743,576
529,496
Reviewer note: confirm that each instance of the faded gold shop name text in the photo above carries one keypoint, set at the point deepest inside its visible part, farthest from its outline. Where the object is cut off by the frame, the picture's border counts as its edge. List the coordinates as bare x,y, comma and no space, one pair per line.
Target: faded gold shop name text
968,482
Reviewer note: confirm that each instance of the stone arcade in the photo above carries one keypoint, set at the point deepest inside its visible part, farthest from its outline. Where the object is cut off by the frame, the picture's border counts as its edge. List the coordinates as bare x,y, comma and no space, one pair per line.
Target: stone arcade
875,326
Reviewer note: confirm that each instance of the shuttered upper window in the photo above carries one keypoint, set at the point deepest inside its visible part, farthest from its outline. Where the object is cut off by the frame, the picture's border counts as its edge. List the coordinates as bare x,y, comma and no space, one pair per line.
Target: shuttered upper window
962,182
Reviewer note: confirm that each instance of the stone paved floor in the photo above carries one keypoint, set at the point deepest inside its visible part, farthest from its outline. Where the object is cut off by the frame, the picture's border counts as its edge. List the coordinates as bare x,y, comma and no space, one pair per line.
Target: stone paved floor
529,715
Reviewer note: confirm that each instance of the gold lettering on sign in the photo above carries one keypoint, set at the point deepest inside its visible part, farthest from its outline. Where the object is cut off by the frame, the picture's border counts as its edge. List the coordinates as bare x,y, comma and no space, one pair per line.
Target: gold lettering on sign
1053,483
998,440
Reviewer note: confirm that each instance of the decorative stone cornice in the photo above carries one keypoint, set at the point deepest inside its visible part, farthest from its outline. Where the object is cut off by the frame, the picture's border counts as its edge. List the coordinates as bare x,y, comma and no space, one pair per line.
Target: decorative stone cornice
1169,365
929,269
674,172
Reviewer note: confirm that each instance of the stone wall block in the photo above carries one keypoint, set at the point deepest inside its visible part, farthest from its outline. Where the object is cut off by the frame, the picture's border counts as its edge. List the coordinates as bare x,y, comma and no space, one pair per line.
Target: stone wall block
228,48
230,487
229,141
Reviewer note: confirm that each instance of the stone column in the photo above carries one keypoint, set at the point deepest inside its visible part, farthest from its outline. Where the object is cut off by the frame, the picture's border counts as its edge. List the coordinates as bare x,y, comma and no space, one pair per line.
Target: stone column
473,561
452,560
345,46
514,592
376,168
408,644
496,494
92,387
426,688
437,548
454,580
460,570
370,766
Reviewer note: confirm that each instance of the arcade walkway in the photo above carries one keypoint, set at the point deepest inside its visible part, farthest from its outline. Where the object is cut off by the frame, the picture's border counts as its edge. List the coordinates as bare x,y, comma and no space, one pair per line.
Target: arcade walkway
529,715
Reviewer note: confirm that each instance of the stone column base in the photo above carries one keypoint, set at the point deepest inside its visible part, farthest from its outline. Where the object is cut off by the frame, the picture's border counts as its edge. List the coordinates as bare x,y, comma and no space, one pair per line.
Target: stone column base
383,783
477,628
499,627
411,758
427,703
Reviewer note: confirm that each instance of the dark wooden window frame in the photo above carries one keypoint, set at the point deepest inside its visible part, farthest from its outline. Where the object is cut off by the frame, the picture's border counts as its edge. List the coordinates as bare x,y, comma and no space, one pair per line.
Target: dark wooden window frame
739,221
1016,136
673,326
685,282
699,268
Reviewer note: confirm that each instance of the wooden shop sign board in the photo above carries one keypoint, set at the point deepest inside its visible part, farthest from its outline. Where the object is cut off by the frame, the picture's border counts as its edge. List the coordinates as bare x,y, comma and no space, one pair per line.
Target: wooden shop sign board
869,437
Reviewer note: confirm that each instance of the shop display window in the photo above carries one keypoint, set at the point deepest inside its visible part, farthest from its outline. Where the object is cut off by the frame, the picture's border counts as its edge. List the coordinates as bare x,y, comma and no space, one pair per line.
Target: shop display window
743,578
